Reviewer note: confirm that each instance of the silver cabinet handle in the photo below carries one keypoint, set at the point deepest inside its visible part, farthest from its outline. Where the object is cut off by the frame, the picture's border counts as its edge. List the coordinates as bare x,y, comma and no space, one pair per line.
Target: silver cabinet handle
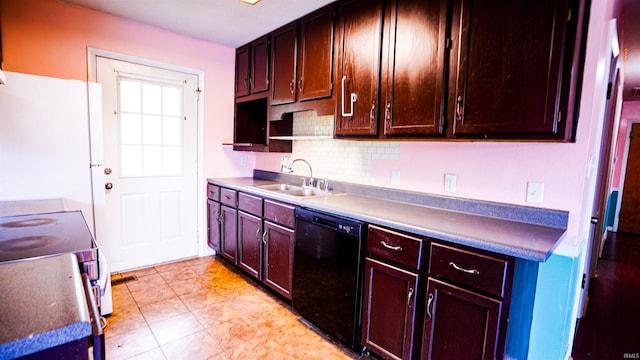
264,238
221,217
372,113
391,247
429,302
468,271
459,108
409,295
291,85
300,84
258,234
353,98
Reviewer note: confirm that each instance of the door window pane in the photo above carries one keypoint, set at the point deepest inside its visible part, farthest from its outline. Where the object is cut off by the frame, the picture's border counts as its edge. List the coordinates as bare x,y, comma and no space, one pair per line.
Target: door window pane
151,128
172,101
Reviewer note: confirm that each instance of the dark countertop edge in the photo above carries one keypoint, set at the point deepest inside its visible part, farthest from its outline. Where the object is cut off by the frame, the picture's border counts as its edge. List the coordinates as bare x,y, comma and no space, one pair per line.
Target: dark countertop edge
46,340
244,184
518,213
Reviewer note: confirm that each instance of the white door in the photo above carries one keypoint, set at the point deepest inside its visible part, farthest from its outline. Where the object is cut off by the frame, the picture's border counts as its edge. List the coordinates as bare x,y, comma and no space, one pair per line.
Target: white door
150,164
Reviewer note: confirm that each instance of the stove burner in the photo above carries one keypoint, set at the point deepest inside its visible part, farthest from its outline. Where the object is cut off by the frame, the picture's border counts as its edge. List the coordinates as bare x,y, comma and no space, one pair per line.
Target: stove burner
28,223
27,243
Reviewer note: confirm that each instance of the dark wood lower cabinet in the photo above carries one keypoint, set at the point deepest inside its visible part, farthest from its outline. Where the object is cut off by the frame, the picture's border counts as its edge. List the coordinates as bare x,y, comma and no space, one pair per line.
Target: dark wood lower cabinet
213,225
249,243
389,318
459,324
278,258
228,238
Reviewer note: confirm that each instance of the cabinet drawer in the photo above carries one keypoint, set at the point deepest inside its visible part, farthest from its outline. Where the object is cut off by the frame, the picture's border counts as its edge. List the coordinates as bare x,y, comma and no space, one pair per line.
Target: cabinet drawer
249,203
228,197
213,192
477,271
279,213
399,248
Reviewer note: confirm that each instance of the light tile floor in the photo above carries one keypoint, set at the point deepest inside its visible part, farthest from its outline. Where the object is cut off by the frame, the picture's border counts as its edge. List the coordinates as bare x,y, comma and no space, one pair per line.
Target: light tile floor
205,309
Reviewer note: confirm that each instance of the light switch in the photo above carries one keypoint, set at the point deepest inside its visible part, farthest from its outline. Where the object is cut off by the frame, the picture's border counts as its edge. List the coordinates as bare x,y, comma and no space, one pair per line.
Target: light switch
450,183
535,192
395,177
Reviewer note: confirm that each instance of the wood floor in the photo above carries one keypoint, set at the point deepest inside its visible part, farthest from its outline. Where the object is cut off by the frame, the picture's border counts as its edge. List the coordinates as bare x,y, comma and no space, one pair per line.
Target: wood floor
611,327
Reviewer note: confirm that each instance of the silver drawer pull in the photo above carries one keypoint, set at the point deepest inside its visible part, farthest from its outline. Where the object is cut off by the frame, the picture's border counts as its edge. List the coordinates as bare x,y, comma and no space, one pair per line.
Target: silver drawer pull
409,295
390,247
468,271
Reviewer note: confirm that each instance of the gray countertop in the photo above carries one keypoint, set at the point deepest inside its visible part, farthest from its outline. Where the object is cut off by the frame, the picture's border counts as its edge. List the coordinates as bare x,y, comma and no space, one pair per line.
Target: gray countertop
42,305
514,238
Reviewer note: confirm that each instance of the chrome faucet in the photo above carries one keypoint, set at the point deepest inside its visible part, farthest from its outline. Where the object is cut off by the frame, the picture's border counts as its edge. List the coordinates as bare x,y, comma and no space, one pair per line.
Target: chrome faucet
287,168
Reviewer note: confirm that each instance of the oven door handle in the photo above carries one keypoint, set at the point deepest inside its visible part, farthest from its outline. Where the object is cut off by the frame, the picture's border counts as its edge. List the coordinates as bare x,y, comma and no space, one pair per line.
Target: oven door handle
96,320
325,222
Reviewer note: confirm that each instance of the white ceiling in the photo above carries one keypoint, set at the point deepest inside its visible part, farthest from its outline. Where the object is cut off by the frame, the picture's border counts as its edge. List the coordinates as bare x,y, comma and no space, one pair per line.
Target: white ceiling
226,22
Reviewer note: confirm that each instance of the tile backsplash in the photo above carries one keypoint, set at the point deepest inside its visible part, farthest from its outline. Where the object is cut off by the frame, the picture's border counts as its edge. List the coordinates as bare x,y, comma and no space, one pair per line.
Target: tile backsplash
344,160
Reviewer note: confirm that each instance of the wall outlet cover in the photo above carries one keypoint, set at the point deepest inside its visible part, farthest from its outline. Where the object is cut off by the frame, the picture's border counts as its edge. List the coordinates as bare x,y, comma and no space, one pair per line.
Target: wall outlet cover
395,177
535,192
450,183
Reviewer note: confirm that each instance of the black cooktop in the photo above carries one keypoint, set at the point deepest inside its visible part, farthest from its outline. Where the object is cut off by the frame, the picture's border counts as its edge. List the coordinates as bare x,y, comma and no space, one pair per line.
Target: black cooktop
36,235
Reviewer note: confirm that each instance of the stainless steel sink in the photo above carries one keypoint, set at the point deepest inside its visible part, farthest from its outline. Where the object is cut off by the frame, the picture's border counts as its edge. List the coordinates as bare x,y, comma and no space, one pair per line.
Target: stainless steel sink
293,190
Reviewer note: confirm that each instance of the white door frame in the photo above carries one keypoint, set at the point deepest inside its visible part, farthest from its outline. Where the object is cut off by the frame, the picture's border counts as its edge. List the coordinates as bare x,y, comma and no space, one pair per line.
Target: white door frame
93,54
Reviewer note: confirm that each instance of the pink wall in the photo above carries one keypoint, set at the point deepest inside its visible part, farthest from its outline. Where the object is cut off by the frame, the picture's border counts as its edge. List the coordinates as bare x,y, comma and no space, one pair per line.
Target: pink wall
50,38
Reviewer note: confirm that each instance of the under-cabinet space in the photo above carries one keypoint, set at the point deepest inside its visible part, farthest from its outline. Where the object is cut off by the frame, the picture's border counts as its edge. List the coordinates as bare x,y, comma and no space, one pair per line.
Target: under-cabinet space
250,127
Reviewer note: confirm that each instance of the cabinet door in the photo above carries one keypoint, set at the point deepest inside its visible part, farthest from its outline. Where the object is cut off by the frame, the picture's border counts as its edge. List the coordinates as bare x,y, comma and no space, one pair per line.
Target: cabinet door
389,315
213,225
260,65
413,74
360,29
278,258
249,243
509,67
459,324
315,68
228,236
242,71
283,59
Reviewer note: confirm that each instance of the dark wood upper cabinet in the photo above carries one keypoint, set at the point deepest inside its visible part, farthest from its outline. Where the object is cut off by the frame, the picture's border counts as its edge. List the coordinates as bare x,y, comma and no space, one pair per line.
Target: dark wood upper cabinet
284,47
358,72
315,68
252,67
242,71
513,57
413,67
302,64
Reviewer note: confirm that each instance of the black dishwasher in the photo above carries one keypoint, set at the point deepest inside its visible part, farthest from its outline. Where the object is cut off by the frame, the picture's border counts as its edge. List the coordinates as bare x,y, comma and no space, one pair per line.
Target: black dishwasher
327,273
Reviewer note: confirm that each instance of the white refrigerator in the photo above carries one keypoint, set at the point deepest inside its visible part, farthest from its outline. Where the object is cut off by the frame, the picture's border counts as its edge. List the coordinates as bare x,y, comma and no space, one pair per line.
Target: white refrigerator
51,149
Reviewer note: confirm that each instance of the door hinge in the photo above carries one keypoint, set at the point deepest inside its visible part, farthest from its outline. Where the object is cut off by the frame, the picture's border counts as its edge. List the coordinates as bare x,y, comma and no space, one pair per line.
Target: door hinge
609,90
198,90
584,280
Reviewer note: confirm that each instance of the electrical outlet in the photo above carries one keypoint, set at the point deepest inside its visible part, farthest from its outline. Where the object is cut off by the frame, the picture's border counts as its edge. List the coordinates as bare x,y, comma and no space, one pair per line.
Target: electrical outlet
450,183
535,192
395,177
243,161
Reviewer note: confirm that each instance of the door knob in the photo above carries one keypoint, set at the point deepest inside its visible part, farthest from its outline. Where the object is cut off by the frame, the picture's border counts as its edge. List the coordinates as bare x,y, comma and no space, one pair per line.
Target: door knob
108,186
107,171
